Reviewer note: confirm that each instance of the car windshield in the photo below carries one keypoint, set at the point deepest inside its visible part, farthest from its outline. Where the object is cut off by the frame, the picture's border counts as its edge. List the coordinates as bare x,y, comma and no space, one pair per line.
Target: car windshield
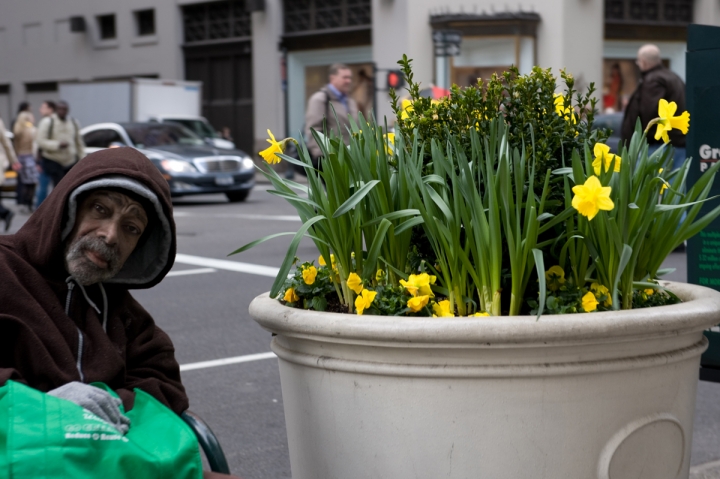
198,127
159,134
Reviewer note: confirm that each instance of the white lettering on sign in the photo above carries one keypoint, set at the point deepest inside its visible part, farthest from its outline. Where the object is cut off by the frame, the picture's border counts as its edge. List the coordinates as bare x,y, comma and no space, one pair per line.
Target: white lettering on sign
709,153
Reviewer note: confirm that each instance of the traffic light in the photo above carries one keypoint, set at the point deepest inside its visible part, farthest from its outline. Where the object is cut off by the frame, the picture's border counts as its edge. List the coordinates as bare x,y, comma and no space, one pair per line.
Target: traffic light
395,79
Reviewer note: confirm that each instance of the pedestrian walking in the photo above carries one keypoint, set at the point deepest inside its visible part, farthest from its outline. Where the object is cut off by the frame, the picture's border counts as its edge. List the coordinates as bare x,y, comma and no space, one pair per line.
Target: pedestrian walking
24,140
7,159
60,143
333,104
47,108
656,83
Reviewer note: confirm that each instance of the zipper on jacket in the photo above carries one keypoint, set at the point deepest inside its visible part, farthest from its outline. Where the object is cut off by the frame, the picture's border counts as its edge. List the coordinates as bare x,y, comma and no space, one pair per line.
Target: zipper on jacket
78,364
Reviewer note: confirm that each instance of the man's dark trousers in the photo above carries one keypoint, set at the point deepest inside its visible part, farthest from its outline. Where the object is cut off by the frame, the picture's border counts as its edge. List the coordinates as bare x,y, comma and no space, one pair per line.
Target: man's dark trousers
54,170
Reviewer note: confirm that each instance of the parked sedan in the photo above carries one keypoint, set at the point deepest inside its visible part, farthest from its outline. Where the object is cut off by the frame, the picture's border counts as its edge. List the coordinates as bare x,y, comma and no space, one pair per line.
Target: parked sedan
189,164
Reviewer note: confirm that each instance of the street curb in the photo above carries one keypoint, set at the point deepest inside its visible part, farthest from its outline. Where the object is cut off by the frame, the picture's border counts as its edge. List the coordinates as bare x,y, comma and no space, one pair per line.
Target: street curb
710,470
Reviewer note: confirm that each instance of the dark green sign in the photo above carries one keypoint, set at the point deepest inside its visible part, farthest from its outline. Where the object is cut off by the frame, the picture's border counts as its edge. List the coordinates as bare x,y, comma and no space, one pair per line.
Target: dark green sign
703,144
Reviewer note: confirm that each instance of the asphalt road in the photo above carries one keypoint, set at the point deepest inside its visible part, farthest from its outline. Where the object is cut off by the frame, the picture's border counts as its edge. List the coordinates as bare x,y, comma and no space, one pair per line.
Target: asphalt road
205,309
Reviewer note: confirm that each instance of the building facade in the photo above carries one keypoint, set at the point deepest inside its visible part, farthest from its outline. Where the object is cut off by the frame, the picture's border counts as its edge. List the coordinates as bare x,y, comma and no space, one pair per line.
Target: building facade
259,60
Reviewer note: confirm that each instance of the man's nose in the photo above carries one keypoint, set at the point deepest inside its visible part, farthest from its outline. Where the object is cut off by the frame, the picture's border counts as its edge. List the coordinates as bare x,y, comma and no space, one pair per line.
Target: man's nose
109,233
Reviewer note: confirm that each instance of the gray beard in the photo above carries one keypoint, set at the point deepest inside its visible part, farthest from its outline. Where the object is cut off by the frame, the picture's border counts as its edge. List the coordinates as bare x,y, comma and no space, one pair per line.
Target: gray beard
85,271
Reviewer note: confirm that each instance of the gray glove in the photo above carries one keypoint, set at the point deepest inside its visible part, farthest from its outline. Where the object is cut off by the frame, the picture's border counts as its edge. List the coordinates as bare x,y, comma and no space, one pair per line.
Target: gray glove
95,400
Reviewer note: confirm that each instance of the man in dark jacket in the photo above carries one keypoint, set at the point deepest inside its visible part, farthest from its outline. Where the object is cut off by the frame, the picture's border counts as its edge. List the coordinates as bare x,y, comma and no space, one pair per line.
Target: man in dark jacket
66,316
657,82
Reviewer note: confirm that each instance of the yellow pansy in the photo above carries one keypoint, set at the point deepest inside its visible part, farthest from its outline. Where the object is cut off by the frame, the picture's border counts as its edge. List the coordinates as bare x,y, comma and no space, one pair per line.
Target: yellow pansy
600,290
321,261
666,121
562,110
269,153
291,296
407,107
479,314
555,277
355,283
379,275
589,302
604,157
417,303
364,300
649,291
419,283
309,273
592,197
442,309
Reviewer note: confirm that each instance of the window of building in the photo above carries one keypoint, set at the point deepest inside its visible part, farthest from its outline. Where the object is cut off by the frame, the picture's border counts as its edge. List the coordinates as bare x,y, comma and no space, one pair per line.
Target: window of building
106,26
145,22
215,21
649,11
309,15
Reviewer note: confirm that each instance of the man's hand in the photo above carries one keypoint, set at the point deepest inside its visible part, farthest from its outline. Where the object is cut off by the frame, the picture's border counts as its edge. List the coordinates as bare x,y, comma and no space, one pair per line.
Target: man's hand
17,166
63,145
95,400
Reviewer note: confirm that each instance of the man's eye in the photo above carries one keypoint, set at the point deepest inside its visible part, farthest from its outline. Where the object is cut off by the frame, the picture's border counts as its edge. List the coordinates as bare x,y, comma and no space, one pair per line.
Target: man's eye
99,208
134,230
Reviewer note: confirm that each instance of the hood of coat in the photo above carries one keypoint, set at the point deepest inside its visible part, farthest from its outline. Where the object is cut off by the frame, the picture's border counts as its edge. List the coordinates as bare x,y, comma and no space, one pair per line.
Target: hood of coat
41,240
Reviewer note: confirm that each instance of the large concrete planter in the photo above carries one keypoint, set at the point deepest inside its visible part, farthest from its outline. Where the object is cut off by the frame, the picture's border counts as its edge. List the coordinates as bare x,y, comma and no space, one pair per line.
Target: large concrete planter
603,395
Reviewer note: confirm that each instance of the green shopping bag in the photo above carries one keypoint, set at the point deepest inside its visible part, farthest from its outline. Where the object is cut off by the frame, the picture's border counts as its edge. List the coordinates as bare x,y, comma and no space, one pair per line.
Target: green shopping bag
44,437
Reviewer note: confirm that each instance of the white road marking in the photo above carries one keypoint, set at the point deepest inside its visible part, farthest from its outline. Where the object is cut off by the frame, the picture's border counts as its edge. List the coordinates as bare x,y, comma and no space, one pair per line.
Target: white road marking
183,272
227,265
239,216
226,361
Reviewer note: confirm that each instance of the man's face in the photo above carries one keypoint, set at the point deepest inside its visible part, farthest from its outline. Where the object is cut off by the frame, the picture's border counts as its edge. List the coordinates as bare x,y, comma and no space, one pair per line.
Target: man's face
342,80
62,110
45,110
108,227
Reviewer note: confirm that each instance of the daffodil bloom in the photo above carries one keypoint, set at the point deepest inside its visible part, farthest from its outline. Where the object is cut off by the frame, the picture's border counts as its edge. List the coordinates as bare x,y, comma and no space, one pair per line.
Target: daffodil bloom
419,283
269,153
309,273
442,309
589,302
600,291
364,300
555,277
389,143
666,121
562,110
417,303
604,157
355,283
291,296
592,197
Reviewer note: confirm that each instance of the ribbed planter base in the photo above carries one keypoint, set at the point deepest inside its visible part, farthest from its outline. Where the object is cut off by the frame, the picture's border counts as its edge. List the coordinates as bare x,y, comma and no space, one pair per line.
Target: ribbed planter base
601,395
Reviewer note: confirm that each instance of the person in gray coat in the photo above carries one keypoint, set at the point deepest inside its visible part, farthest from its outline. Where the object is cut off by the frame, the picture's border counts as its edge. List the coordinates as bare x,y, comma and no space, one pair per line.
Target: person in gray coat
331,101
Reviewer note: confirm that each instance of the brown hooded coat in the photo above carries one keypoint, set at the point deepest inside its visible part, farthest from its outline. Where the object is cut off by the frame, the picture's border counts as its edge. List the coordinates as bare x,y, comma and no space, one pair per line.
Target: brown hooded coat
41,345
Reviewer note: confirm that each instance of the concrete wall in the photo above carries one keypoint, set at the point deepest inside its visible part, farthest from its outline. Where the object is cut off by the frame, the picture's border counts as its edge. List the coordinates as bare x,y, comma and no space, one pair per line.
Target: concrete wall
36,44
706,12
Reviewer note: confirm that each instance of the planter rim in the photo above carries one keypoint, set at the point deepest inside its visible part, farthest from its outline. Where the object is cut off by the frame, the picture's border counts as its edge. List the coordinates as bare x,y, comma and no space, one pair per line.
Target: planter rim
700,310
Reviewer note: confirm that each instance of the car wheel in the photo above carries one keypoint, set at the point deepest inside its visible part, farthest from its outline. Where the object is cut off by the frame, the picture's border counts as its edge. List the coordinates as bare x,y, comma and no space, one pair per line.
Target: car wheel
237,196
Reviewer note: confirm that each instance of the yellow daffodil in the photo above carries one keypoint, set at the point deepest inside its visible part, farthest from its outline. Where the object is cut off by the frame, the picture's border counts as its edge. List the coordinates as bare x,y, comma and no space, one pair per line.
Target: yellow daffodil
665,183
603,157
479,314
291,296
555,277
269,153
419,283
389,143
309,273
666,121
600,291
407,107
355,283
442,309
562,110
364,300
589,302
417,303
379,275
592,197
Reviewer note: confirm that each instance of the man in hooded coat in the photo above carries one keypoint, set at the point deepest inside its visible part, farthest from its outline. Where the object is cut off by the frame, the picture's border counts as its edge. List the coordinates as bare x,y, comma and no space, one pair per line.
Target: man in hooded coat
62,328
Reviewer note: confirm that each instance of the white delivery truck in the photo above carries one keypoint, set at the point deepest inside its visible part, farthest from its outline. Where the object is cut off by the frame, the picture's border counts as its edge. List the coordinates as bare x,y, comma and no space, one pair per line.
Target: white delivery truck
137,99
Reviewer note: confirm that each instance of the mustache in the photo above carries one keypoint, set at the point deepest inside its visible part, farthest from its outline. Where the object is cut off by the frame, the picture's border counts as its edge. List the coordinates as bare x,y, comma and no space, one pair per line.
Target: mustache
94,245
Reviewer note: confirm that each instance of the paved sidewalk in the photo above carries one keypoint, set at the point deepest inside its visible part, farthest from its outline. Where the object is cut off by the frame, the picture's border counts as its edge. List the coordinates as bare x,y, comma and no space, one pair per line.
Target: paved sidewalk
711,470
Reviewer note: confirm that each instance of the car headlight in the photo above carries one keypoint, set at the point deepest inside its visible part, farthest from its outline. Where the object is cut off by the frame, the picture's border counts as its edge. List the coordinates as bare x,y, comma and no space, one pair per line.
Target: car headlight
177,166
248,163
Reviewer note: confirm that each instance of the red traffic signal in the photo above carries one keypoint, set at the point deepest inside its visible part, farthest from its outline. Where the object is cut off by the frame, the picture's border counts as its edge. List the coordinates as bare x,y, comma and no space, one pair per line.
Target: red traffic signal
395,79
